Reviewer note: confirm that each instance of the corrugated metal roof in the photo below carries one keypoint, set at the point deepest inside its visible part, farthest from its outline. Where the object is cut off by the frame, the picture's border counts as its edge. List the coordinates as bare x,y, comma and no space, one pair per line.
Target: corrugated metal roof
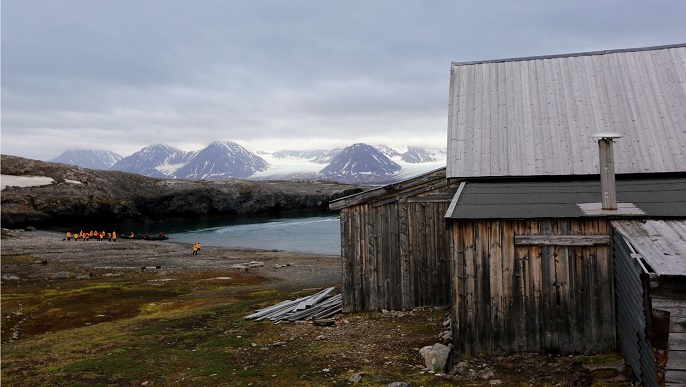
663,197
536,116
661,243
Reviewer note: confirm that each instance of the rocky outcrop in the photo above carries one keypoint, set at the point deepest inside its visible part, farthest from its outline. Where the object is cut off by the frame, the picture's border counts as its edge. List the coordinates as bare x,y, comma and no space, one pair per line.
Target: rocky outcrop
85,195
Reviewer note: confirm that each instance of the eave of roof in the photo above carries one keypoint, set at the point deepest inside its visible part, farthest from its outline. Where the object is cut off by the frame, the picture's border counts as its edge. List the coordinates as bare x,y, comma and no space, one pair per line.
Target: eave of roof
388,190
655,196
660,243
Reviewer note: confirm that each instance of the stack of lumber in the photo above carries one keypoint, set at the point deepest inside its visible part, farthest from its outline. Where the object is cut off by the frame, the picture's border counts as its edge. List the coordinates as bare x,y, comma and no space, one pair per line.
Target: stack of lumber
315,307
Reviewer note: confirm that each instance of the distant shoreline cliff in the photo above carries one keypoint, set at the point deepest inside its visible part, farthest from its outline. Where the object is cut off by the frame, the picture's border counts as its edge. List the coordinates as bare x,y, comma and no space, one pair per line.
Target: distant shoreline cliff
89,195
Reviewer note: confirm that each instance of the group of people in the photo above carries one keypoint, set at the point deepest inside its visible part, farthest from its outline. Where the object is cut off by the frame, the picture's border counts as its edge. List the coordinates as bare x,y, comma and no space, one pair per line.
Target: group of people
97,235
196,247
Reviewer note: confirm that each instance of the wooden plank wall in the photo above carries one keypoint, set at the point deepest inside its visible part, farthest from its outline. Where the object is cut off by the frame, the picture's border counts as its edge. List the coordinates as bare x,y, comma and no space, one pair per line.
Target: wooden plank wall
395,255
517,297
674,302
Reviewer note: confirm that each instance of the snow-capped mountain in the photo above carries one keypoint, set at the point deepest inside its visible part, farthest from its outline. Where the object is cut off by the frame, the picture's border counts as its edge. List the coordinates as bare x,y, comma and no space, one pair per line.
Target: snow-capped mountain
93,159
360,163
318,156
154,161
222,159
389,152
415,155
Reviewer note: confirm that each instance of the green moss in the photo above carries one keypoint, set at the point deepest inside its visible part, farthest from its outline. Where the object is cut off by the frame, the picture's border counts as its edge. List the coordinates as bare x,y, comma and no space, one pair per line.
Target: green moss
599,359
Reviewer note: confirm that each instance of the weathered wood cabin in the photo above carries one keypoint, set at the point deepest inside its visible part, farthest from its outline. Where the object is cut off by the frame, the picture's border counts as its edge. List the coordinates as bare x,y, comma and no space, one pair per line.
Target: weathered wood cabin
529,230
393,244
533,264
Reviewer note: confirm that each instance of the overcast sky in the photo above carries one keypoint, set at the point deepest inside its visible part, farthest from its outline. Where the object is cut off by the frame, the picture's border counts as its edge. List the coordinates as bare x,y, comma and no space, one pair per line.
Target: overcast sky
120,75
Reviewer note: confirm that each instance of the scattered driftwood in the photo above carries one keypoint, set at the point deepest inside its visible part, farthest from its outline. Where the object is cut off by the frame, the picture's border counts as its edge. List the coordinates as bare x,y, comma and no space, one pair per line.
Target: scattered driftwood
319,306
246,266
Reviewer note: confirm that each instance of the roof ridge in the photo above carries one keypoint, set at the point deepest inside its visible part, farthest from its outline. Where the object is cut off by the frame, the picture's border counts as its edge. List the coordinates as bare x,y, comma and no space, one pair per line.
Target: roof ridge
569,55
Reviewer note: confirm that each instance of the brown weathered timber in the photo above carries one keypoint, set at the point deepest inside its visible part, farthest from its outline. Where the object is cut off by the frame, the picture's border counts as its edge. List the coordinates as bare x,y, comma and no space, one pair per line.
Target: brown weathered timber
396,246
530,297
562,240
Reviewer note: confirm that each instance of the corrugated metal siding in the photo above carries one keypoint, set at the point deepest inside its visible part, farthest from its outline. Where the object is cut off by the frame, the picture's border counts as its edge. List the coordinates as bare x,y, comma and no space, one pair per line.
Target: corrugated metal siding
631,315
536,116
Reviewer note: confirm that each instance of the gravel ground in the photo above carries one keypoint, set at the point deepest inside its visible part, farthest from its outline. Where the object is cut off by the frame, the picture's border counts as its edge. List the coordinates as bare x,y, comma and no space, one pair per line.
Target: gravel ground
374,341
50,255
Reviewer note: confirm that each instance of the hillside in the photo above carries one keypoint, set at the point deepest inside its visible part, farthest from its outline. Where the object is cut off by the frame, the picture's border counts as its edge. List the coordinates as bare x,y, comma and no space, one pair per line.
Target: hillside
80,195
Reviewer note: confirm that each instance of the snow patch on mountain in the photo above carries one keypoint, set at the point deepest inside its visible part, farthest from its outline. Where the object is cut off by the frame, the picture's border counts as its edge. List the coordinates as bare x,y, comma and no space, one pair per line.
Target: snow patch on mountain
93,159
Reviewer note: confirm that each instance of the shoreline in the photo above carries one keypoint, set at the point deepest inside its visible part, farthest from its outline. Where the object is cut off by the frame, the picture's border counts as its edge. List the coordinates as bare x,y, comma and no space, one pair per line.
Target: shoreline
45,254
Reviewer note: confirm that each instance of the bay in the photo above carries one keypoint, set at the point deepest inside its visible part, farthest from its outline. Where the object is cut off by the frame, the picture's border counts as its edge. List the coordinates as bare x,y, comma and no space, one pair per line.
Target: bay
318,233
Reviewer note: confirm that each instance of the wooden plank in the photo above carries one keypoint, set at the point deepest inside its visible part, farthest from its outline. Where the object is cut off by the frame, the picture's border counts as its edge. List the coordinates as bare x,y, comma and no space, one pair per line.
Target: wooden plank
562,240
443,255
509,283
382,238
672,248
405,282
374,193
674,378
457,253
676,307
677,324
563,310
549,323
469,301
347,262
635,234
434,185
677,341
495,261
676,360
607,293
370,277
411,243
361,288
483,289
532,310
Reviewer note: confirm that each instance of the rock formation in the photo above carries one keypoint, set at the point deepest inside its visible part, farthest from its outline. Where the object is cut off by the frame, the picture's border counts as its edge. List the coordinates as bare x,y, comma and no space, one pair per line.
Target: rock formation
81,195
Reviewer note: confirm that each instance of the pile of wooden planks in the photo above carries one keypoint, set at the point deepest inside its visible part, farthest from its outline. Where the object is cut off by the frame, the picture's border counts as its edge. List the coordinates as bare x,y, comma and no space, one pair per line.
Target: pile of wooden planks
315,307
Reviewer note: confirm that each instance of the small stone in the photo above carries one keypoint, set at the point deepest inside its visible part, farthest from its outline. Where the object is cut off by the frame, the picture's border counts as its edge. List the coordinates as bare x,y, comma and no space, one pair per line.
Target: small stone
355,378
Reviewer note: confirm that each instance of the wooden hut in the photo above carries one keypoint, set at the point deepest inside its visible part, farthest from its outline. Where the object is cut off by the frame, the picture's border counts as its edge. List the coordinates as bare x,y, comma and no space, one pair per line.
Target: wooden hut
528,234
530,231
394,249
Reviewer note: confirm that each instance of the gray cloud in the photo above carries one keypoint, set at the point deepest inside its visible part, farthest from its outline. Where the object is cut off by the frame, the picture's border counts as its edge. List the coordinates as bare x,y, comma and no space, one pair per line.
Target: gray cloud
123,74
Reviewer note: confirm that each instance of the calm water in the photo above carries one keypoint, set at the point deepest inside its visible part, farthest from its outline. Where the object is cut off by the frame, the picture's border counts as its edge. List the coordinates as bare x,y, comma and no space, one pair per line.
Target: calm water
312,234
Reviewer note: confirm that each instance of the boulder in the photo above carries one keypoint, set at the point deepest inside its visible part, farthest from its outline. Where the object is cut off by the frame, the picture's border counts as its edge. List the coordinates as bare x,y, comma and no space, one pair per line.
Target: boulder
435,356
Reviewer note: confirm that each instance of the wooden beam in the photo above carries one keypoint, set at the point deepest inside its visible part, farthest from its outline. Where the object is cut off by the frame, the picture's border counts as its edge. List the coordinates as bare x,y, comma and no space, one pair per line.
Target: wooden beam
561,240
380,192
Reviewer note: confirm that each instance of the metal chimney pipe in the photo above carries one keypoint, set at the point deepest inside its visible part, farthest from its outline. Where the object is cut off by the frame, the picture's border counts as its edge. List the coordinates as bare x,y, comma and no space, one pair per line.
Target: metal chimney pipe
607,169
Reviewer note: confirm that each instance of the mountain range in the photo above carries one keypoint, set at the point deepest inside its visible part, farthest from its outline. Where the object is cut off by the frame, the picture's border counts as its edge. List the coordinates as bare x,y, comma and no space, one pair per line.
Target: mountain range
357,163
